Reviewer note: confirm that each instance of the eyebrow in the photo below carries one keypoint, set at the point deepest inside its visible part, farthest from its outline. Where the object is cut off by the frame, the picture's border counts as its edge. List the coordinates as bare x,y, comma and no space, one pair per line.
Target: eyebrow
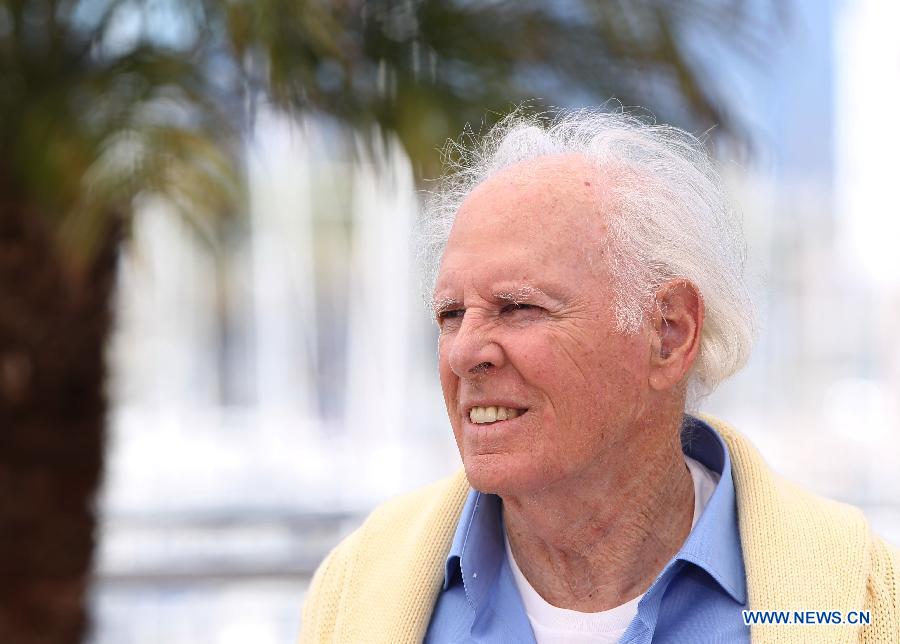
522,294
441,304
517,296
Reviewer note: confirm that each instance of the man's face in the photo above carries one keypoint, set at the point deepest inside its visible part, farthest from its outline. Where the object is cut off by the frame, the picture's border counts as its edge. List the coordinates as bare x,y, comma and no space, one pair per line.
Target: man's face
524,301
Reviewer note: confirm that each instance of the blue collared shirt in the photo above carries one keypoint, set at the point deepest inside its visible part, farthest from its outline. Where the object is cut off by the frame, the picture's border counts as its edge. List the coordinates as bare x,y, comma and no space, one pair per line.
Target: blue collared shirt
698,596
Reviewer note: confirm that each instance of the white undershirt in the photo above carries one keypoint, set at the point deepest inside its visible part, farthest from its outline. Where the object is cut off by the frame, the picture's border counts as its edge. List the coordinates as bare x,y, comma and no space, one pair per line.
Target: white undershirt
552,625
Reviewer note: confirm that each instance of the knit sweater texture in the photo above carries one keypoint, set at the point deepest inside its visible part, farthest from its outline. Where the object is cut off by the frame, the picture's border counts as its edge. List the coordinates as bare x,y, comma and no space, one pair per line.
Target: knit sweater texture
801,552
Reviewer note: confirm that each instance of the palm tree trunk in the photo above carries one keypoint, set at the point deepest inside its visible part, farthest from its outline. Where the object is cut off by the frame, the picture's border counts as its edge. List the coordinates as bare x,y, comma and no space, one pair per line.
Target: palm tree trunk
53,325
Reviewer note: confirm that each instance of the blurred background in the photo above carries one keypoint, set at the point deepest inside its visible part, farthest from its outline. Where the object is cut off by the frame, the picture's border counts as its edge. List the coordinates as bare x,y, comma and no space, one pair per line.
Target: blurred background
214,356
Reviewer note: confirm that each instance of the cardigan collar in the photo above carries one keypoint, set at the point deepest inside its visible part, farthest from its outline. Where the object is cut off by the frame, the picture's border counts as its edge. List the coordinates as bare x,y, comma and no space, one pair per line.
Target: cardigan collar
801,552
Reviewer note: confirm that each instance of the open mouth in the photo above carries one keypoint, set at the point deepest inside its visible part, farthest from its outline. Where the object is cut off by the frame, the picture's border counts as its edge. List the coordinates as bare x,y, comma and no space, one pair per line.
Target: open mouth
487,415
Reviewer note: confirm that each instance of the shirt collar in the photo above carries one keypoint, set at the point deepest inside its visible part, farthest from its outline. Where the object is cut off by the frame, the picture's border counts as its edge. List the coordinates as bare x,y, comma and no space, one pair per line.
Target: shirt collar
477,549
714,544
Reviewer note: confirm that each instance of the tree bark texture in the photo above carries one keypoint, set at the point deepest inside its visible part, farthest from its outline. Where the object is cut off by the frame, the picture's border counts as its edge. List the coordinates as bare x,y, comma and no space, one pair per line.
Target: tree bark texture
54,321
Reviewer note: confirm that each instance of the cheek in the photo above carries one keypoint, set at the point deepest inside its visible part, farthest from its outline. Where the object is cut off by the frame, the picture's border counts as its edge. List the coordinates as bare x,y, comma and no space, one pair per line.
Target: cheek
580,376
447,377
443,356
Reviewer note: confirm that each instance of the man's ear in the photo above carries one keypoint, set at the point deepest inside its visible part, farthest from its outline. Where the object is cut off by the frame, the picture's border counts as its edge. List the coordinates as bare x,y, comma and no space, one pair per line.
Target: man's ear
677,321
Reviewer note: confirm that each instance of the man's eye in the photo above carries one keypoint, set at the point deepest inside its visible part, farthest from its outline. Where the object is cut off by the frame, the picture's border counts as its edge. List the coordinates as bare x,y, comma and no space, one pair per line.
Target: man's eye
517,307
451,314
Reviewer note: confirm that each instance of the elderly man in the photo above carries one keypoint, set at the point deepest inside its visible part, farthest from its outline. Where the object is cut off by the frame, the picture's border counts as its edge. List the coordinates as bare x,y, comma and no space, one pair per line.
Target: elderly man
589,289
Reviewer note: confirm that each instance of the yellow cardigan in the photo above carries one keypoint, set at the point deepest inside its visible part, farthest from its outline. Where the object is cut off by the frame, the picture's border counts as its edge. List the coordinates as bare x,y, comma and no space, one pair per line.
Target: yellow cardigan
801,552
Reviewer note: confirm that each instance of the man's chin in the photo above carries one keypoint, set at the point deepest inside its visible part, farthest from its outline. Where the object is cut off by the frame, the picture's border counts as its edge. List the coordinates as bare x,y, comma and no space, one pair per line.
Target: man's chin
502,474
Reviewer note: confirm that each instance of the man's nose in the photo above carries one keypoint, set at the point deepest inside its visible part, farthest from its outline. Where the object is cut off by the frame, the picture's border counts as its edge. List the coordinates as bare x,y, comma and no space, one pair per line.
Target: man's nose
474,350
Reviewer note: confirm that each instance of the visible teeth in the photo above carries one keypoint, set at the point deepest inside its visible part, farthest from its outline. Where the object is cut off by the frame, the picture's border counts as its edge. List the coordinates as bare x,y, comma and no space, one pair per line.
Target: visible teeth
482,415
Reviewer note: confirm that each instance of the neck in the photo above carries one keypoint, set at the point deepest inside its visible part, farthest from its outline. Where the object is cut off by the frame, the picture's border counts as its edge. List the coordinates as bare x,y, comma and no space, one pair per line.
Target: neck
599,538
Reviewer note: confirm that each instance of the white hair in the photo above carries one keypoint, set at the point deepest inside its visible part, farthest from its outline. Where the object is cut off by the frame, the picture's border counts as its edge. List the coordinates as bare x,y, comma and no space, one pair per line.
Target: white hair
669,218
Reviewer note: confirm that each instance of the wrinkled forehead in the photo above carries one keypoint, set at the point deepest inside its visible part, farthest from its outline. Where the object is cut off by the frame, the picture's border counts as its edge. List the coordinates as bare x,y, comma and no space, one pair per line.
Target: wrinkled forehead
541,215
541,196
